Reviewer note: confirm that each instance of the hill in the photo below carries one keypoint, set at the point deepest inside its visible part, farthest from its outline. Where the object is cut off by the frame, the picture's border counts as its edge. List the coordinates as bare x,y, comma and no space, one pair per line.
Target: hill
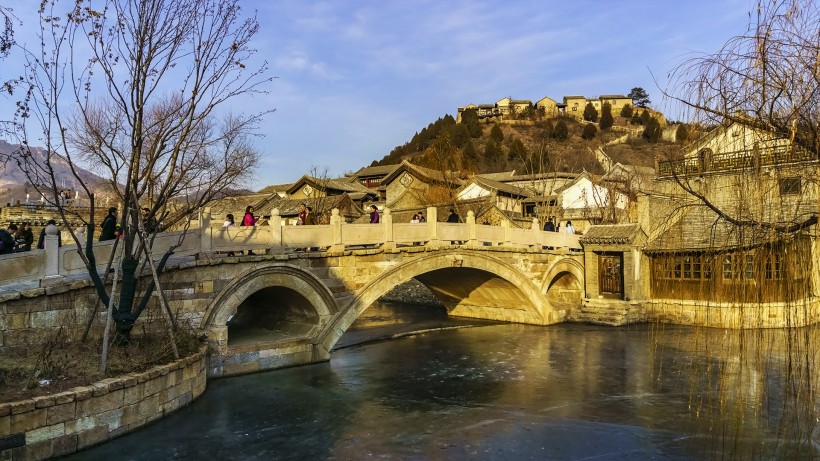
531,146
14,185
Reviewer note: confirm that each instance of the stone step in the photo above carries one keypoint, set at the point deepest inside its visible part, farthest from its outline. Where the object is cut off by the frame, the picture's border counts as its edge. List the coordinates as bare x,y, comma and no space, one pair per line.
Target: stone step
602,312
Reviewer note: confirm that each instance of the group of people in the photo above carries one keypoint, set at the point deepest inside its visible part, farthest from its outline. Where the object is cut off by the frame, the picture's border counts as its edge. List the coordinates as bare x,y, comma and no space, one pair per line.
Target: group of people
418,217
551,226
16,239
110,229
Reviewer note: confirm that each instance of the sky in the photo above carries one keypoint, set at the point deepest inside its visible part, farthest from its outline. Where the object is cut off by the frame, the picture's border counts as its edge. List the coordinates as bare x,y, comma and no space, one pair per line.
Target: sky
356,78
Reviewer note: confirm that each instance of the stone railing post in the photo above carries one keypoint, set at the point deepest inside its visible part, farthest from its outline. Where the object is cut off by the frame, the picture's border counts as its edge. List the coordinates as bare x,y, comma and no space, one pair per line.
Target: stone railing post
336,222
471,238
52,246
275,223
387,220
505,227
432,226
206,237
536,230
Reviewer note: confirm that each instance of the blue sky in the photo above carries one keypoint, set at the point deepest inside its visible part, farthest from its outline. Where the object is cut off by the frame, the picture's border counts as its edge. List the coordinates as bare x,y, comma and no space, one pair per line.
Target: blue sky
356,78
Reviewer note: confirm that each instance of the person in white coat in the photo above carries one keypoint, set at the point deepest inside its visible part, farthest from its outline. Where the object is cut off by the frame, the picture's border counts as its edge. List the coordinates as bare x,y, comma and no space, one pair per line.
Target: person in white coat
570,229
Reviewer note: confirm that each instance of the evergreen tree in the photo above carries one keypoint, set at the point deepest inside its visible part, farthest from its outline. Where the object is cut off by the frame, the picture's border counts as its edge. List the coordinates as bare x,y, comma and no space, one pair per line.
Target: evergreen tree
469,157
561,131
460,135
590,114
589,131
639,97
517,150
493,152
682,134
606,116
496,134
626,111
645,116
652,132
470,119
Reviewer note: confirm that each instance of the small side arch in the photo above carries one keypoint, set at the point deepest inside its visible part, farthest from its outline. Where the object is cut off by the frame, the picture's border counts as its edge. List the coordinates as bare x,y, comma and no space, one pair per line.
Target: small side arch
563,283
314,293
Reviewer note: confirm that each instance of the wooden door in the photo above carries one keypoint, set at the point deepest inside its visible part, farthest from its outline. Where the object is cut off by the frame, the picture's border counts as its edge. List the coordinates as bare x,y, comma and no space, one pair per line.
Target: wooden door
610,275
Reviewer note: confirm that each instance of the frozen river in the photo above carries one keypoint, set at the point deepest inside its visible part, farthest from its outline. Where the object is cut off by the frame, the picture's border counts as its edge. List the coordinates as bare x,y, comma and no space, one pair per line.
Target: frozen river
503,392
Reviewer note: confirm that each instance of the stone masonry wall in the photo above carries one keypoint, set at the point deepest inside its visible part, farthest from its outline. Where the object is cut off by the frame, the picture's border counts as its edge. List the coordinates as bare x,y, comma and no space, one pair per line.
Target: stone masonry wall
59,424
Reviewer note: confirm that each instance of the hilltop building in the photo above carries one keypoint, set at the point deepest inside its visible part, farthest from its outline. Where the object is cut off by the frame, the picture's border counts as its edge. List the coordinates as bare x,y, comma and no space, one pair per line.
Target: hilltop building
572,106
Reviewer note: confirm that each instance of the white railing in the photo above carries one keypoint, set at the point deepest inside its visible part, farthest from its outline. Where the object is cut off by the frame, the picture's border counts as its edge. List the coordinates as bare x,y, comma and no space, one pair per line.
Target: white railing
55,262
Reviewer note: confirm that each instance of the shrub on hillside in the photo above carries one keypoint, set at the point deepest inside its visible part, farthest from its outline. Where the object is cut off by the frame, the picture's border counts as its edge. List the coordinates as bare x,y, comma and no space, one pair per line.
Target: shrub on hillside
561,131
589,131
496,134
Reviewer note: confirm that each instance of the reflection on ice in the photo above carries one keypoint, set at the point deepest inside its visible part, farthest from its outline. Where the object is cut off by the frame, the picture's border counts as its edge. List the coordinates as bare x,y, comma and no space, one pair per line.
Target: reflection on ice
511,392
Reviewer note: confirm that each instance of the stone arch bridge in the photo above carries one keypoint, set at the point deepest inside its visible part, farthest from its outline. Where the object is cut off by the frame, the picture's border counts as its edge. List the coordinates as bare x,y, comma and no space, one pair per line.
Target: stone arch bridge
312,282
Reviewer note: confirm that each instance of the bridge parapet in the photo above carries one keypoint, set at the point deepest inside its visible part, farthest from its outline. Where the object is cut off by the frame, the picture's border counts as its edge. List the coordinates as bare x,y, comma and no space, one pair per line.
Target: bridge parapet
276,237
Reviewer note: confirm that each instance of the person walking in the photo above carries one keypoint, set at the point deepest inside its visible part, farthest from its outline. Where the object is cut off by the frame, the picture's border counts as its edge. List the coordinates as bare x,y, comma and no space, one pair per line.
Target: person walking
453,217
25,237
374,214
41,241
249,219
549,226
229,222
310,218
421,217
8,239
570,228
149,223
303,213
415,219
108,227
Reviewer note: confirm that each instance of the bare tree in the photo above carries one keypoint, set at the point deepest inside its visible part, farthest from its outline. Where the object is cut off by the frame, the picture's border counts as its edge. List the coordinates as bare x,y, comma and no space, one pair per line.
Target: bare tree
756,212
134,91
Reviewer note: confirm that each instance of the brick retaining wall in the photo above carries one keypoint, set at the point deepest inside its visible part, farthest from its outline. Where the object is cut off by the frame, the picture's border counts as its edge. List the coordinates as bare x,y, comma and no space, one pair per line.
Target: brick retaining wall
59,424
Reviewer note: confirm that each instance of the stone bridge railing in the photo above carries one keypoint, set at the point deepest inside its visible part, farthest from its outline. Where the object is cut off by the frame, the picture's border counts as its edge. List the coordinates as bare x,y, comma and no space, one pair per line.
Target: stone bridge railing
54,264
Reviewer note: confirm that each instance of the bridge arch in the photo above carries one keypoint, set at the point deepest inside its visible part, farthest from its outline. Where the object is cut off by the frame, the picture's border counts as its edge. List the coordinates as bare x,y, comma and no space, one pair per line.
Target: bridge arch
563,283
306,296
479,276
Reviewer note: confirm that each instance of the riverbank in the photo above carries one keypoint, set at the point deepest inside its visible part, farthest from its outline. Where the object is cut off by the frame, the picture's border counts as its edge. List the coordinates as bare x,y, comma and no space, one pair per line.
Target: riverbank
63,423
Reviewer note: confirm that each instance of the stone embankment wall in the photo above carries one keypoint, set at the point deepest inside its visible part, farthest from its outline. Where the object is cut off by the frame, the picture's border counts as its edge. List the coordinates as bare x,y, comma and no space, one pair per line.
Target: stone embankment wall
59,424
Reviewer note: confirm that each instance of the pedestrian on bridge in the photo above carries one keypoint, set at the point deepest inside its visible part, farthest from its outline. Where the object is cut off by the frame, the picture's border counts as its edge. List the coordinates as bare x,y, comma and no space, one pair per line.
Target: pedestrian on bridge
109,225
249,219
7,239
549,226
374,214
41,241
570,228
25,237
453,217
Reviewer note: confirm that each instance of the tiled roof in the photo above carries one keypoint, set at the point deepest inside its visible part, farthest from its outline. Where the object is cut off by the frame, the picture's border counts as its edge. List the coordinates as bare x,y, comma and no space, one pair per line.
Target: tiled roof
611,234
428,173
275,188
500,176
375,170
499,186
700,229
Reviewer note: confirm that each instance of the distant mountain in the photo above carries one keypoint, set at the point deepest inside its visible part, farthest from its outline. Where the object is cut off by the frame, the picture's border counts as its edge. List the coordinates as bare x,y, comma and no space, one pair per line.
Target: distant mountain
13,181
